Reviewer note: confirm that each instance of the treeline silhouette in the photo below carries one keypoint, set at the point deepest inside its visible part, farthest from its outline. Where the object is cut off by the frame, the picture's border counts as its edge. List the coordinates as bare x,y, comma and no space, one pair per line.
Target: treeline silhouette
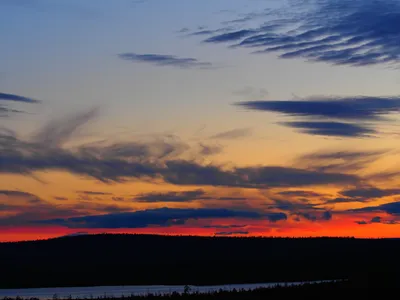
331,290
108,259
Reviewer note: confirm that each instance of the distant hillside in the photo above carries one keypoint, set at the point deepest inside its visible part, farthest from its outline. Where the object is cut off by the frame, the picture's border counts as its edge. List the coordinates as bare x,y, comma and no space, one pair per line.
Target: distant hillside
89,260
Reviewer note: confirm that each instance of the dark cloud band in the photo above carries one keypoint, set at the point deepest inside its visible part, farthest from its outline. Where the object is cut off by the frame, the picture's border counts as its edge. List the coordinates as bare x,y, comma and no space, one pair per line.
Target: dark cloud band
338,32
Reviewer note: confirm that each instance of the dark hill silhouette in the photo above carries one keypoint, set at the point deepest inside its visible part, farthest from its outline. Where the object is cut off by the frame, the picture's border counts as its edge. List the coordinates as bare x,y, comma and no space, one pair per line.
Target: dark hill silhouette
90,260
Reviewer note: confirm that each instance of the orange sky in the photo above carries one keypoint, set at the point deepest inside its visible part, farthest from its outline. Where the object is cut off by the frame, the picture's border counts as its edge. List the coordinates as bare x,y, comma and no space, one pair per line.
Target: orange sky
174,128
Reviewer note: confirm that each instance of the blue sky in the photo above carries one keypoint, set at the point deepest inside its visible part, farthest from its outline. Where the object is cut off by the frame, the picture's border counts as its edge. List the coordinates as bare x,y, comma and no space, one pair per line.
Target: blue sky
65,53
253,82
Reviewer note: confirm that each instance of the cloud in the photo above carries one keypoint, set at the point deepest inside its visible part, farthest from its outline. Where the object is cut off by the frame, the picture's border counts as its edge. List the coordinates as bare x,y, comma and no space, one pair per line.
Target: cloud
377,220
334,129
17,98
232,233
332,116
232,198
109,167
185,196
361,222
151,217
233,134
21,208
149,160
94,193
189,173
392,208
58,132
207,150
275,217
358,108
28,196
337,32
165,60
341,161
303,194
224,226
363,194
230,36
341,200
292,206
369,193
325,216
4,97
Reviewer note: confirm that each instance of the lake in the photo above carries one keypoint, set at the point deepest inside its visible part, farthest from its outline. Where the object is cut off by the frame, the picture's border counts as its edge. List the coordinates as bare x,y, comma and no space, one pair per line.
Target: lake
118,291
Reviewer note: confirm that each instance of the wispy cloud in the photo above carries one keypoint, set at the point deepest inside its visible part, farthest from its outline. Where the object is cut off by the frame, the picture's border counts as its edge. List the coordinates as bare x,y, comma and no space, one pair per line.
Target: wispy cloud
370,192
332,116
31,198
16,98
303,194
94,193
144,160
338,32
4,98
233,134
358,108
165,60
57,132
185,196
332,129
22,207
345,161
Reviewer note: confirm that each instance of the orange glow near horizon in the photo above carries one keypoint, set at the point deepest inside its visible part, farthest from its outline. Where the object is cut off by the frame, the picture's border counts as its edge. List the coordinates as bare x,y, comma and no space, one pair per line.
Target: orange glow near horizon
343,226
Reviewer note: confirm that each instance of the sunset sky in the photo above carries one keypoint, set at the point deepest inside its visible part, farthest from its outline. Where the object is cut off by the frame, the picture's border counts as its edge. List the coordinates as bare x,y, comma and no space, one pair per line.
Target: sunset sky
204,117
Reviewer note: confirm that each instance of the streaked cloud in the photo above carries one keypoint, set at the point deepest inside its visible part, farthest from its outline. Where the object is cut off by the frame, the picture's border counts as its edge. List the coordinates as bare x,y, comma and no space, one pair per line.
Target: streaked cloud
358,108
344,161
332,116
165,60
334,129
185,196
31,198
233,134
300,193
17,98
366,194
144,160
392,208
5,98
338,32
94,193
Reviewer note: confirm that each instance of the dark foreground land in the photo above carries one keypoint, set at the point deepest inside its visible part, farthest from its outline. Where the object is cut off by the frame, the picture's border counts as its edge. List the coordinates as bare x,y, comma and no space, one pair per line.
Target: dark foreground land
327,291
99,260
